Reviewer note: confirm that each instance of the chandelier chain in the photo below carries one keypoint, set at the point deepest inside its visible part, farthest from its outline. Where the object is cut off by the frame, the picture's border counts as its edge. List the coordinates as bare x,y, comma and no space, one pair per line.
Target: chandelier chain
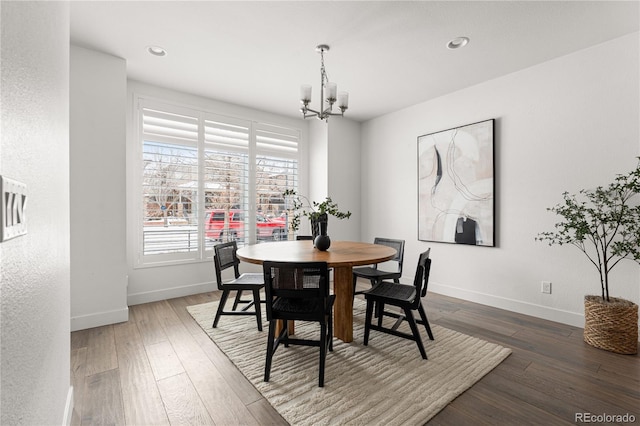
323,72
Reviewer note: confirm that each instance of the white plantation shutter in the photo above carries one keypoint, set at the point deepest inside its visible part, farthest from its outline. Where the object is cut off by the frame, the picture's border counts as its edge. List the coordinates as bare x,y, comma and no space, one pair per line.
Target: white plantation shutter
276,165
167,127
225,134
169,182
199,170
226,180
276,140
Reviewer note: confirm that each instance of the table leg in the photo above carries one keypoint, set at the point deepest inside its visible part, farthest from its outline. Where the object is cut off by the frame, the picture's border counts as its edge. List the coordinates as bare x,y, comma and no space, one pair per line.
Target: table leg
291,327
343,307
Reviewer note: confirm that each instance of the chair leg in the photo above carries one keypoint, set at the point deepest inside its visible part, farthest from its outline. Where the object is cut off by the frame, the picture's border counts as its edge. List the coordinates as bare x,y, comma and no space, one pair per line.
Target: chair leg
256,306
330,321
272,335
323,353
376,311
367,321
284,333
223,300
423,315
237,300
379,312
414,329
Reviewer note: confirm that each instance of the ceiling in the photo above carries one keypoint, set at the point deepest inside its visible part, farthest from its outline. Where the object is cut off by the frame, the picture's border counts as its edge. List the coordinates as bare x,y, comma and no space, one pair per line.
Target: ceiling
387,54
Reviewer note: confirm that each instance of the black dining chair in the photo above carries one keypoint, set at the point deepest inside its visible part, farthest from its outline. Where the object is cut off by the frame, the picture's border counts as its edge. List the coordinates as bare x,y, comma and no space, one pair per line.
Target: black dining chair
298,291
375,275
225,257
408,298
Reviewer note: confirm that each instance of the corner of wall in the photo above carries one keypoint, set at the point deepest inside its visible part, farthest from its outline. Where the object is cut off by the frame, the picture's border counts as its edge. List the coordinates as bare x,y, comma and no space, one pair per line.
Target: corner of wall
68,408
98,319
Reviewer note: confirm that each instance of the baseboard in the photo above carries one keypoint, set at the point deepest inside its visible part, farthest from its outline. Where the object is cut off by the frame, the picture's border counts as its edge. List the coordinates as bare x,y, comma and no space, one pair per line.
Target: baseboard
170,293
82,322
68,408
557,315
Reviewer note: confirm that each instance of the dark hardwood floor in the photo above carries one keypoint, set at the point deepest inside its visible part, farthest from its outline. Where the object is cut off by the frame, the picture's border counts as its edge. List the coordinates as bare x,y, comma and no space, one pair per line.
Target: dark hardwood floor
161,368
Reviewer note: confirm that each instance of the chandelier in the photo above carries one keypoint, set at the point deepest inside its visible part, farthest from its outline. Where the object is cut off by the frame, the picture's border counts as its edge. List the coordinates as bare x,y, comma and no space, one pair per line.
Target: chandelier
328,94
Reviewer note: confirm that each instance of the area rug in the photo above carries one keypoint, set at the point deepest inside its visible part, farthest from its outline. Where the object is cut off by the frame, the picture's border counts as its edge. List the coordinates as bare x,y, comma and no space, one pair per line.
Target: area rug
384,383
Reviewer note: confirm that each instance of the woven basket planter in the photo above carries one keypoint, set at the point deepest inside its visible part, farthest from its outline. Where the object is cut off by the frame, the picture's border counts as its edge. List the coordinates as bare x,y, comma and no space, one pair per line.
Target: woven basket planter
612,326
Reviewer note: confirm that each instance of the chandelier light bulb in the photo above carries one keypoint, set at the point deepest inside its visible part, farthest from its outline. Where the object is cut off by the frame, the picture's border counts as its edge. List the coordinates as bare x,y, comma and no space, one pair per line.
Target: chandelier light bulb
343,100
305,93
332,89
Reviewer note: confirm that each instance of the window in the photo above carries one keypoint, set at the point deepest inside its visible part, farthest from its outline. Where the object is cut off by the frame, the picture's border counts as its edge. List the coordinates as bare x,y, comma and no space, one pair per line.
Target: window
207,178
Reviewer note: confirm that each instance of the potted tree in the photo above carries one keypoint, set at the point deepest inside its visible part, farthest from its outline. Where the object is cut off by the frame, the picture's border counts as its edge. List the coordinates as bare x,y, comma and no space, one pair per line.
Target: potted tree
604,223
317,212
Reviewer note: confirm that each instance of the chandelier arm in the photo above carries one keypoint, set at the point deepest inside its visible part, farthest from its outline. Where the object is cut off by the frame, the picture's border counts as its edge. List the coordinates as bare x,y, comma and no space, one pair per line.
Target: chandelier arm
312,111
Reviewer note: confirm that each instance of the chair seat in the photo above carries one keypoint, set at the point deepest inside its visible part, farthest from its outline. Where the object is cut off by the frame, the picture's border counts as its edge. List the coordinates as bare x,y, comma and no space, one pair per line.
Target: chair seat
392,291
298,306
285,305
248,279
369,272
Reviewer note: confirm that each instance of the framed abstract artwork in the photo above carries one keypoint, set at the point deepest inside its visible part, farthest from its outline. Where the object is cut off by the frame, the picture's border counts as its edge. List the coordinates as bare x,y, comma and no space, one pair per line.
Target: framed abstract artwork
456,185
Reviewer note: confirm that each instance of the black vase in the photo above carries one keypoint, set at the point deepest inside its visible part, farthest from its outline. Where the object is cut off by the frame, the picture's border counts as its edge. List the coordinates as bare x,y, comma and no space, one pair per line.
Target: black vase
316,225
322,242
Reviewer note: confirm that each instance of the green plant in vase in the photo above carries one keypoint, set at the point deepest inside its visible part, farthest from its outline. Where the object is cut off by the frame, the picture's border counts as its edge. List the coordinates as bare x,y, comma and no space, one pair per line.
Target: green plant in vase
317,212
604,223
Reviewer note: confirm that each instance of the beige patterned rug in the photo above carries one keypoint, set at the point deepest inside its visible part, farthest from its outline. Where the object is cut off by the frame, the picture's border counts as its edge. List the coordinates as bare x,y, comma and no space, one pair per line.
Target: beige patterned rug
385,383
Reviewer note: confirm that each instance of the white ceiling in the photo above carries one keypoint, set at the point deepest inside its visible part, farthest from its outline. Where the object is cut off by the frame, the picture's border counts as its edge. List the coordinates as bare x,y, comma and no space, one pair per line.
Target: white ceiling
387,54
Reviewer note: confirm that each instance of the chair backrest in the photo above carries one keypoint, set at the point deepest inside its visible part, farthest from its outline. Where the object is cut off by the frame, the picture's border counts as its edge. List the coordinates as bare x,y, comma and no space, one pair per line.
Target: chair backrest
302,287
398,245
225,257
304,237
421,279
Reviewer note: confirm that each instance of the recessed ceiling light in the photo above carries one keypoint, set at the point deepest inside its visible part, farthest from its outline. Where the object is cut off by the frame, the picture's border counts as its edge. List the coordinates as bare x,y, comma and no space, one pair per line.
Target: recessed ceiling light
156,51
457,43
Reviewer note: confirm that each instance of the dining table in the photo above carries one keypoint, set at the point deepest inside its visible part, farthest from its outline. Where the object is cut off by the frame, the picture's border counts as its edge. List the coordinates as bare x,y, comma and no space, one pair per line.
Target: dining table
342,256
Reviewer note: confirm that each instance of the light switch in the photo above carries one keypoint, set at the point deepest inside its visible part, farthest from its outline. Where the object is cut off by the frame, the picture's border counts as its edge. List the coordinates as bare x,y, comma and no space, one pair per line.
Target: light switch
13,212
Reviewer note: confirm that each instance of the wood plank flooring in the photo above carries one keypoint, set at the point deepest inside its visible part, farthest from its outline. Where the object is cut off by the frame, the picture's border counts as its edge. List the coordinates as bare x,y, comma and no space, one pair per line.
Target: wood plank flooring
161,368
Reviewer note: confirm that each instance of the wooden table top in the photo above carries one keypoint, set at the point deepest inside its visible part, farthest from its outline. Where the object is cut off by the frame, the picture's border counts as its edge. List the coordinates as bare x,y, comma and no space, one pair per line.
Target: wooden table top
341,253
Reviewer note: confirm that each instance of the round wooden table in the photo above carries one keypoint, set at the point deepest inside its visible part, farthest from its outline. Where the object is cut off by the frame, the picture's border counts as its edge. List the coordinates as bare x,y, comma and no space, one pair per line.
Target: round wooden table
342,256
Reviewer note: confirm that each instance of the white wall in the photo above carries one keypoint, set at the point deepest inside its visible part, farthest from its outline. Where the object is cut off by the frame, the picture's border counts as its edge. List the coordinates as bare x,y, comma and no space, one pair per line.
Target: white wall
334,171
564,125
98,186
318,161
34,299
344,177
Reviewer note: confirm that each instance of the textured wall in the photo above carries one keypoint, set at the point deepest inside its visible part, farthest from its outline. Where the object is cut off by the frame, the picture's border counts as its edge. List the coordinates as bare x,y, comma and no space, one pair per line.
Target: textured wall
34,294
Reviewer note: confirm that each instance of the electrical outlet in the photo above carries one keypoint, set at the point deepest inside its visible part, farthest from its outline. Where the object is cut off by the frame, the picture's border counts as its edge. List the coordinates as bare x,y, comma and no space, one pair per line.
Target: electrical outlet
546,287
